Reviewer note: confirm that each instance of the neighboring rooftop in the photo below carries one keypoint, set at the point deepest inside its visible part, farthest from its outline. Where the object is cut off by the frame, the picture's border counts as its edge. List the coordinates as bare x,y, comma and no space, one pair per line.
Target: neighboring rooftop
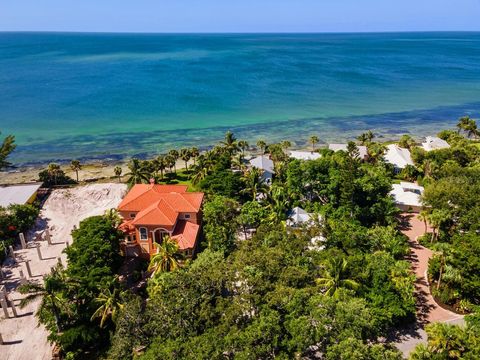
264,163
298,216
19,194
304,155
398,157
434,143
362,150
407,194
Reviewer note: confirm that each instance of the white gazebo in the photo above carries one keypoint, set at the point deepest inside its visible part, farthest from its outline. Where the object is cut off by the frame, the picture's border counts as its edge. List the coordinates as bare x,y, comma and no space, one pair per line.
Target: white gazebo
297,217
398,157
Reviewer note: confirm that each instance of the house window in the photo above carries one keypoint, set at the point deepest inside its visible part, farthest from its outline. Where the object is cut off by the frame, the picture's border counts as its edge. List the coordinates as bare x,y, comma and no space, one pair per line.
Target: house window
143,234
186,216
132,215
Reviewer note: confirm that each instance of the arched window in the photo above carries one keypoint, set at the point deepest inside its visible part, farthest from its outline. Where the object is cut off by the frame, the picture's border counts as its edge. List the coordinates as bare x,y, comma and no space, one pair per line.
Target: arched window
143,234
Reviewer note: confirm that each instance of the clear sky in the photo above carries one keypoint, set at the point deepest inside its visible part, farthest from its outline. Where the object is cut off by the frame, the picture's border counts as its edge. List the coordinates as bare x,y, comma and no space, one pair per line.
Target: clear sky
239,15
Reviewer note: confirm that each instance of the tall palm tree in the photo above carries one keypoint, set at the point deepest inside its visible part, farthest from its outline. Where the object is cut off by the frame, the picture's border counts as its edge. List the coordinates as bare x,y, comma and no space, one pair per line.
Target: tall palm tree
254,183
54,171
313,140
243,145
110,305
185,156
423,216
366,137
194,153
174,155
75,165
261,144
444,340
137,173
53,302
6,148
334,278
167,257
230,142
118,172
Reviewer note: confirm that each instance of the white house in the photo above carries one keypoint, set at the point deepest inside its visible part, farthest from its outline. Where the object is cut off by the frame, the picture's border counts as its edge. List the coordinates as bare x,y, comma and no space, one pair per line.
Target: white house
265,164
407,196
297,217
362,150
434,143
304,155
398,157
20,194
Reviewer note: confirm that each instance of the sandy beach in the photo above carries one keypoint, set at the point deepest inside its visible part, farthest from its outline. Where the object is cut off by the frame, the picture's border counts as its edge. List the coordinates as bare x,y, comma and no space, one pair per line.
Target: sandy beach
64,209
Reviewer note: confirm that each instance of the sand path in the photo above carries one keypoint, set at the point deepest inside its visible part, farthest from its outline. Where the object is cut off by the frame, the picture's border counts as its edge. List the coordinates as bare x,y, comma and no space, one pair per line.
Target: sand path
23,338
428,310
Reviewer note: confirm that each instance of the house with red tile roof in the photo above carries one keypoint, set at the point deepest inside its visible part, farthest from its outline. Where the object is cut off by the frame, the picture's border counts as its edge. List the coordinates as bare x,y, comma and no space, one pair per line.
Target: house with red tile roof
152,211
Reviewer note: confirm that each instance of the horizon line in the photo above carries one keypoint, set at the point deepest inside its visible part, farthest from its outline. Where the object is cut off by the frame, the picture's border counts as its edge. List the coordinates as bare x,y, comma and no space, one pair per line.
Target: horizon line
239,32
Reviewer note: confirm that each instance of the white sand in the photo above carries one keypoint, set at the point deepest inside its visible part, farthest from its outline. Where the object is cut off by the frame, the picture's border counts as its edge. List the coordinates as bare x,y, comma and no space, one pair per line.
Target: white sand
25,340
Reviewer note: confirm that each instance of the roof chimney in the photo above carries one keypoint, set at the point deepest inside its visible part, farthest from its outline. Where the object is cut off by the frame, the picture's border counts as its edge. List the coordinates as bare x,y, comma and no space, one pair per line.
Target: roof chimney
152,181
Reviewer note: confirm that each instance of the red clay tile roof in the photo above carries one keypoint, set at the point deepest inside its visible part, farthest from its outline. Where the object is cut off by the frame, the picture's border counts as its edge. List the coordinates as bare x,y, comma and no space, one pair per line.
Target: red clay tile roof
142,195
185,234
159,213
160,204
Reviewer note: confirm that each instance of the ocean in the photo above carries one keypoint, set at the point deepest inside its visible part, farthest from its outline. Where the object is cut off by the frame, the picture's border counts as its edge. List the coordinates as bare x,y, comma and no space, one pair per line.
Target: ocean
114,96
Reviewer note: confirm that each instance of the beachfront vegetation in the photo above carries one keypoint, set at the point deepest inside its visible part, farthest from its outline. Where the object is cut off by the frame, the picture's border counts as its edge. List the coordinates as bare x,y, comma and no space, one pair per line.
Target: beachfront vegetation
14,220
6,148
53,175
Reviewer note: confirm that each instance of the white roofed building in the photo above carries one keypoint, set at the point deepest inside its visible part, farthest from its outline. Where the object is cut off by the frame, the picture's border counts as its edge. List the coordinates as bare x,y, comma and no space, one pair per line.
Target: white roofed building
398,157
20,194
297,217
265,164
434,143
407,196
362,150
305,155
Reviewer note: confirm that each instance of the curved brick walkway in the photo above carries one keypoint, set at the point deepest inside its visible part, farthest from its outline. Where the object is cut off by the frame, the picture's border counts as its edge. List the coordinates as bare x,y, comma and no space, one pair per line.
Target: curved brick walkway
427,309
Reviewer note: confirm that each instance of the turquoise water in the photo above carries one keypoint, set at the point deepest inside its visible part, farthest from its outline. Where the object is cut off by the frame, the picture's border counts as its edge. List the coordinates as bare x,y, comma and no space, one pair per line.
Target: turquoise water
115,95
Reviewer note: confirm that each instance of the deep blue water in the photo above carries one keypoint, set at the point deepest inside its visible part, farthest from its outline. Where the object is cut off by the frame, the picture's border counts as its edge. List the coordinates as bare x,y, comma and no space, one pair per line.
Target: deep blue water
114,95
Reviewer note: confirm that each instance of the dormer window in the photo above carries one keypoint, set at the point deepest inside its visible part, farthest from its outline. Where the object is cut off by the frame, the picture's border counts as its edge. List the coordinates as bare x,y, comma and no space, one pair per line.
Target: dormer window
186,216
132,215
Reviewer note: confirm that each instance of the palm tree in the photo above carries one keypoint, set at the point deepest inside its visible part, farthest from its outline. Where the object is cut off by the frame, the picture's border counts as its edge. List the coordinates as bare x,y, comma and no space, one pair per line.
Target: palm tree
118,172
110,305
230,143
185,156
50,291
444,340
334,279
6,148
167,257
261,145
313,140
366,137
174,155
75,166
423,216
54,171
194,153
375,152
113,216
243,145
137,173
436,219
463,123
285,144
254,183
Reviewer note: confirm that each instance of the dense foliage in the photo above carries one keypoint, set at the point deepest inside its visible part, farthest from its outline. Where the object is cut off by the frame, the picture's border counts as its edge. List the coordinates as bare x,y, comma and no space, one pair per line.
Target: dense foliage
13,220
87,289
6,148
